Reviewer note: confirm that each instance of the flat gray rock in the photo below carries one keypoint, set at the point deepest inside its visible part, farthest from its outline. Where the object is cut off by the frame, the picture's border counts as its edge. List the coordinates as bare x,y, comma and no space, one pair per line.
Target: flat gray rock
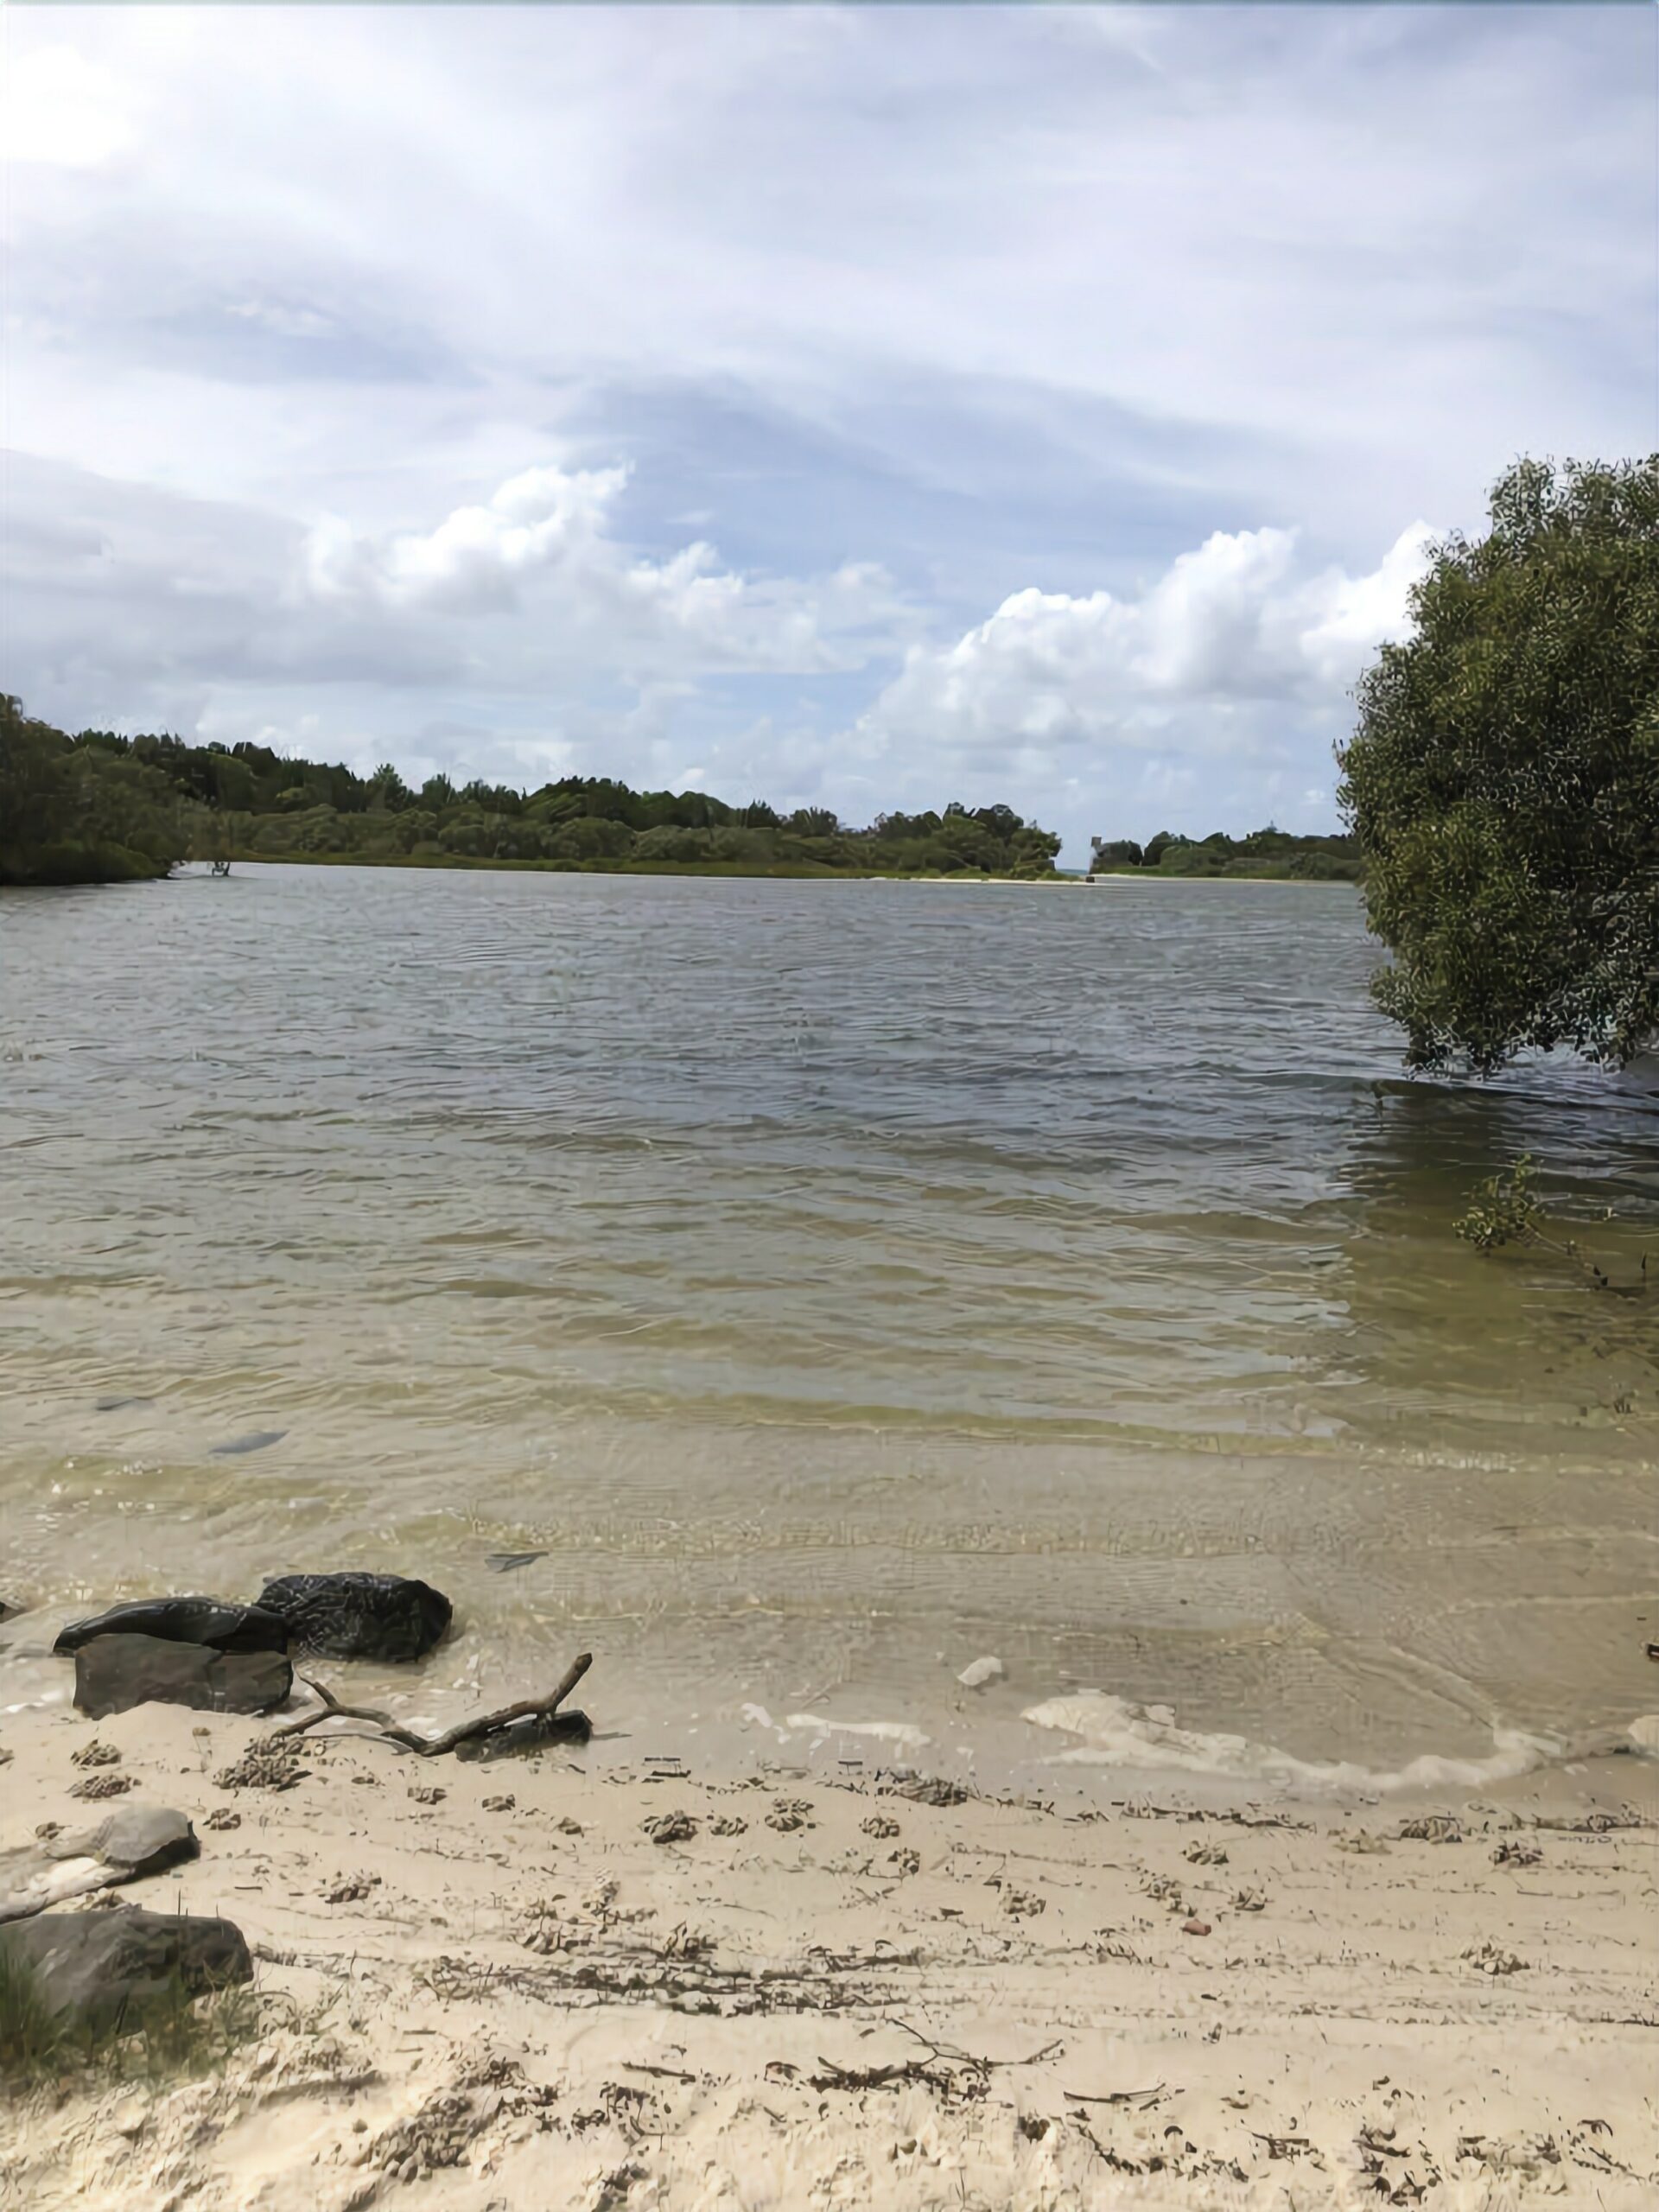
255,1441
115,1673
139,1840
102,1968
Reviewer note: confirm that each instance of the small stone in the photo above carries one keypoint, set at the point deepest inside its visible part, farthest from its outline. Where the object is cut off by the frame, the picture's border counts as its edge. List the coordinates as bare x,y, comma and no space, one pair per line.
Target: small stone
427,1793
499,1804
1195,1927
981,1671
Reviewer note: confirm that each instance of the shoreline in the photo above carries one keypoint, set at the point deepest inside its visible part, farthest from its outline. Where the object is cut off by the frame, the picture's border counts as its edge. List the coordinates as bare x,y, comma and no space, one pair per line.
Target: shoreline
522,1983
735,873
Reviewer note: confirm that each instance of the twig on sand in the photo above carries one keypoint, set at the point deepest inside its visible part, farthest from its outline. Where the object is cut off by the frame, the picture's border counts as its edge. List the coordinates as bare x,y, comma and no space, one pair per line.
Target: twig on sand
1144,2098
940,2068
431,1747
332,1710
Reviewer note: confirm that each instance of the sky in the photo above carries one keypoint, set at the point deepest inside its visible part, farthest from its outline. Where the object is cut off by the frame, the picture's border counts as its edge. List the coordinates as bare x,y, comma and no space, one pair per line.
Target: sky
848,406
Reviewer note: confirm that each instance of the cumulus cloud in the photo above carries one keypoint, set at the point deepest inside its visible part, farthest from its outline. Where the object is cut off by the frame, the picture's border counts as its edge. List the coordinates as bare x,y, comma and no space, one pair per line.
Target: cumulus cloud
543,543
1230,624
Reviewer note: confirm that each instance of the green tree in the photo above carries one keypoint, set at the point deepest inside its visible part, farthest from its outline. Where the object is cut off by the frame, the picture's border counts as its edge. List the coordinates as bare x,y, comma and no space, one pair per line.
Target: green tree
1502,781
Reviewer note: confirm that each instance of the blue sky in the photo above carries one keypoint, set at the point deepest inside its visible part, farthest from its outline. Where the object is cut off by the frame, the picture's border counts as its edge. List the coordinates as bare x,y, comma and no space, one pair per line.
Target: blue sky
850,406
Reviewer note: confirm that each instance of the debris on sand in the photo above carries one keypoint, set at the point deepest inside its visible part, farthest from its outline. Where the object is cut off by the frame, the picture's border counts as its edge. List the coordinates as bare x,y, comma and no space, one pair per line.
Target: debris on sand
789,1814
669,1827
1490,1958
1431,1828
105,1786
270,1763
1516,1853
95,1754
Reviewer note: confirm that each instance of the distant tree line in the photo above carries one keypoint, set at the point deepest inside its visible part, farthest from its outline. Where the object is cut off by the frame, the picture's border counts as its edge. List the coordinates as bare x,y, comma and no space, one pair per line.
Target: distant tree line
72,813
98,806
1266,852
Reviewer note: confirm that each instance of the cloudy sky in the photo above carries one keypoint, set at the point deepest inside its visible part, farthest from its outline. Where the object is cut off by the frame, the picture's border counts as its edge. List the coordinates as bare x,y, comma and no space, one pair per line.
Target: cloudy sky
859,406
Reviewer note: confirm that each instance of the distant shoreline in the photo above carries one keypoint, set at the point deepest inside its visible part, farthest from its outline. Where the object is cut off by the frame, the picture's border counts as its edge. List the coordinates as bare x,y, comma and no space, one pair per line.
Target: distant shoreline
738,871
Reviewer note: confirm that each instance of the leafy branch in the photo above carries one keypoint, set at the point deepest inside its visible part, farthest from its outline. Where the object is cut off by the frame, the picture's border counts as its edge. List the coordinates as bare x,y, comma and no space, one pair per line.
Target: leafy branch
1504,1209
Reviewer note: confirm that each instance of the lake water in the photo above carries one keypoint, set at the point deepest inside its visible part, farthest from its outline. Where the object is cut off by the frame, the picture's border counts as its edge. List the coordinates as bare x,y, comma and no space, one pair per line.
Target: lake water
837,1283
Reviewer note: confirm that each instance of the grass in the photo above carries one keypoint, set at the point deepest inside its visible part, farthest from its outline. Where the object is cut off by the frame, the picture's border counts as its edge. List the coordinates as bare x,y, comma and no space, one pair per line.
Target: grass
175,2036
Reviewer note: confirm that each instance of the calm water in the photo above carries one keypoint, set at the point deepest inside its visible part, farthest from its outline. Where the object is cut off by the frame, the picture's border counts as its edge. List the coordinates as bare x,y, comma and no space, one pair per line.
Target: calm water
838,1282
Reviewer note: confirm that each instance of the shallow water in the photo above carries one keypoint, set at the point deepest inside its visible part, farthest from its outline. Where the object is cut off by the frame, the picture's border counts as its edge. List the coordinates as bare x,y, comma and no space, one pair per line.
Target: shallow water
837,1283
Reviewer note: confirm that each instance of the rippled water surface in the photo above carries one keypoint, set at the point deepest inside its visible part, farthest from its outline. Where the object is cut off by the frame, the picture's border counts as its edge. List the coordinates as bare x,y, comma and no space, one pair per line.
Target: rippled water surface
837,1283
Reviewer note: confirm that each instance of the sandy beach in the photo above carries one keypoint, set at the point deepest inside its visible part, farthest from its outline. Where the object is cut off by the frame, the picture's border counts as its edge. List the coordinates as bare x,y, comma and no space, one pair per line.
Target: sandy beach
557,1981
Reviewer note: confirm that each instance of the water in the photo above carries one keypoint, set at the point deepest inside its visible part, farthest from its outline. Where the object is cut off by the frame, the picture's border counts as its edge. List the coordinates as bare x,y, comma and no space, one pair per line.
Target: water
837,1283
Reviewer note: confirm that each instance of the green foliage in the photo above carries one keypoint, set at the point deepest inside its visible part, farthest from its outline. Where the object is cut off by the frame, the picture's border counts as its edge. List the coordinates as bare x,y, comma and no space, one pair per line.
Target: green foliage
87,810
99,807
1266,852
1503,781
1503,1210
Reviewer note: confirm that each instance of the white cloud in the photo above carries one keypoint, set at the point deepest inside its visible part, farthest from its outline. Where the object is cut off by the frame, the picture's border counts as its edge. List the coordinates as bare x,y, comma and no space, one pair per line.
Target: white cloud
1228,625
59,109
542,545
476,558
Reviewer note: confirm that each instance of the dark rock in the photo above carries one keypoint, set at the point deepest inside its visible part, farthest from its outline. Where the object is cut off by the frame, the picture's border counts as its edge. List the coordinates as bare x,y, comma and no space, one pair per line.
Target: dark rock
113,1403
114,1673
103,1968
533,1733
7,1609
209,1621
359,1615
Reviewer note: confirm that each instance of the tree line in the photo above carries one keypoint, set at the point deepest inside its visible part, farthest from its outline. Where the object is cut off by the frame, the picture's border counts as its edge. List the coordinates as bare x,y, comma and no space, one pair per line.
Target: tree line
99,807
1269,852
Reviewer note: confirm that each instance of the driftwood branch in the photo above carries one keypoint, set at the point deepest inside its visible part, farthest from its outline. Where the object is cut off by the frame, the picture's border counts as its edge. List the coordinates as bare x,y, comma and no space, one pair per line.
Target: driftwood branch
332,1709
431,1747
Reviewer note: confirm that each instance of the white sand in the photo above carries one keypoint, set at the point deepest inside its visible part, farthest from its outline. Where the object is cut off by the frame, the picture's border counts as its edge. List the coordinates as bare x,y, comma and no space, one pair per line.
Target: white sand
577,2016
